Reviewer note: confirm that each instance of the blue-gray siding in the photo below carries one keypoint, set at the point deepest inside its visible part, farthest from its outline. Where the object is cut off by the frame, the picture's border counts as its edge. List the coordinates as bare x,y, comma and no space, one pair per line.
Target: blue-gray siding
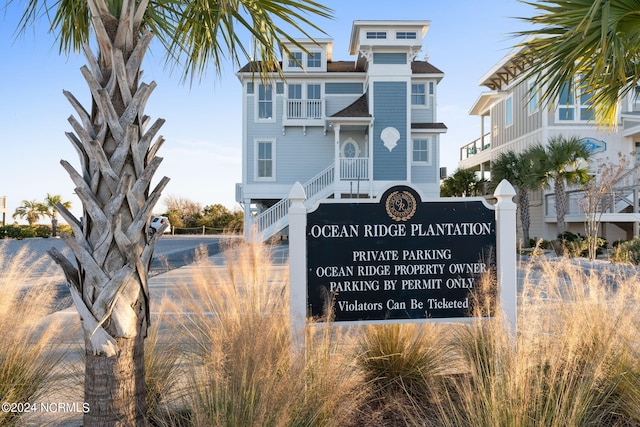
298,157
335,103
428,174
422,115
343,88
390,110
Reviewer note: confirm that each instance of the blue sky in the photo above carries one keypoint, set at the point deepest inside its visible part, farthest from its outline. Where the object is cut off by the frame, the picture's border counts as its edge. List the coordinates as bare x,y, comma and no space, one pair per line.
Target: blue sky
202,152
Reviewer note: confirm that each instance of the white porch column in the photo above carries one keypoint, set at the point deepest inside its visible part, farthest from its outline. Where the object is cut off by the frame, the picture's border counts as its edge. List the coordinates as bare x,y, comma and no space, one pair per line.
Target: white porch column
506,252
336,177
249,226
636,226
482,118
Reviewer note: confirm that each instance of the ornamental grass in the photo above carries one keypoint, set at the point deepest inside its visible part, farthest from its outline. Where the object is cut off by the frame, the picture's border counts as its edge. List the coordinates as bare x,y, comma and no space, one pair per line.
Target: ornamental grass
31,344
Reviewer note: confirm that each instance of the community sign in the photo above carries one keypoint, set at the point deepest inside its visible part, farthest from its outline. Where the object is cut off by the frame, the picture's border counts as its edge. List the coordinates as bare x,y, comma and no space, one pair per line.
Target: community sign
399,258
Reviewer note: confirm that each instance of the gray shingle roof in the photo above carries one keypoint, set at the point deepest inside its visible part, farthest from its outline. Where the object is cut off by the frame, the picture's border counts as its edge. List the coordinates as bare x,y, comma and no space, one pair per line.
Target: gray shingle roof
359,108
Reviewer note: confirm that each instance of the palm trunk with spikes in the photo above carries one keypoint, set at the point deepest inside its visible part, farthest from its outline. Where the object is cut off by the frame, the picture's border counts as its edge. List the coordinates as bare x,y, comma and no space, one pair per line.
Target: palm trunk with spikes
525,216
561,205
110,244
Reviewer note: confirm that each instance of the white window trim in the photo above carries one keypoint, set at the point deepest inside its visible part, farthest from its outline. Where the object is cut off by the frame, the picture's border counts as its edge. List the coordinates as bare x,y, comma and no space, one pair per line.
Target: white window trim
429,139
257,178
376,35
536,96
506,103
311,55
406,35
304,88
577,107
256,104
291,63
426,95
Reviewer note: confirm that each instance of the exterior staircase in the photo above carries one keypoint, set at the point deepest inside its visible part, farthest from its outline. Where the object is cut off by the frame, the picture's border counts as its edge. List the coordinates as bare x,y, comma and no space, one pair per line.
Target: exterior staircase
275,219
620,206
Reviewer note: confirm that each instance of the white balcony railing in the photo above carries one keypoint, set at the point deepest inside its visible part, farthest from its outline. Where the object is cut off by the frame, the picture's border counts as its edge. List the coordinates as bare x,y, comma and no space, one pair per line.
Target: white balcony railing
304,109
275,218
354,169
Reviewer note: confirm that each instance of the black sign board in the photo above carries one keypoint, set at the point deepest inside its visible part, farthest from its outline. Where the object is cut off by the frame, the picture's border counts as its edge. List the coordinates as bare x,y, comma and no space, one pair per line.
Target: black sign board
399,258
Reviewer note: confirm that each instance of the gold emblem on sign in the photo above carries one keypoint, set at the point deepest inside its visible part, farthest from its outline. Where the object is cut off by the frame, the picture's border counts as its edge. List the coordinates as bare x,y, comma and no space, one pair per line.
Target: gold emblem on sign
401,205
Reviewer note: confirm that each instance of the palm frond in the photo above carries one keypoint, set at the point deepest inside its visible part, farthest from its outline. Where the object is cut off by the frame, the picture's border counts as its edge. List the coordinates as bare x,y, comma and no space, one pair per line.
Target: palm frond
203,33
594,42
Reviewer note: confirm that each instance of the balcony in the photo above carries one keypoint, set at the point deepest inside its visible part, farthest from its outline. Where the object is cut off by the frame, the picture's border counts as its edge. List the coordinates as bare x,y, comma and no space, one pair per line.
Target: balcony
475,147
303,112
354,169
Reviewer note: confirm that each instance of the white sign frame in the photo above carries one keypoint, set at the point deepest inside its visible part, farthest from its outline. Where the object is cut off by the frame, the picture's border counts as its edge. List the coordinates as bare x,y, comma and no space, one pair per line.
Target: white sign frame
505,214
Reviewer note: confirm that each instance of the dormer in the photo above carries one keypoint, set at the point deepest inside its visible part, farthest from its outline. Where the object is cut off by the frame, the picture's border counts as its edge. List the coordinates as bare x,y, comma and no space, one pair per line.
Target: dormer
387,42
307,56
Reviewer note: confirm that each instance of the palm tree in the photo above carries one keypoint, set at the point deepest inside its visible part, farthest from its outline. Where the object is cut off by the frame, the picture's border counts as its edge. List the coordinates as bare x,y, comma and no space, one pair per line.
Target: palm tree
49,209
516,168
30,210
117,145
564,161
462,183
596,43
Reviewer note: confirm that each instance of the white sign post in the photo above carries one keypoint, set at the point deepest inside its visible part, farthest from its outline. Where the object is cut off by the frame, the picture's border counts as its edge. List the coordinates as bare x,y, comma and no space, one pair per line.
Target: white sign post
3,208
401,207
297,266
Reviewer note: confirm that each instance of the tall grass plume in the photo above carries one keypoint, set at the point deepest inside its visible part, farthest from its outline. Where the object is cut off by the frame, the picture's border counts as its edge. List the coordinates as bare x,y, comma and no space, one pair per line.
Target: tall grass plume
575,361
240,368
30,344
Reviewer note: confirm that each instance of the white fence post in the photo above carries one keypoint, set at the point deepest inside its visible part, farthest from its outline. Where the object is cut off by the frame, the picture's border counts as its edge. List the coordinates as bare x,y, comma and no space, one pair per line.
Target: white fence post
506,251
297,266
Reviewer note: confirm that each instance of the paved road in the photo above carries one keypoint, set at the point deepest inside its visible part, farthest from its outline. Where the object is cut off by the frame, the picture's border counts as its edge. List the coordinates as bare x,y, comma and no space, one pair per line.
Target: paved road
171,252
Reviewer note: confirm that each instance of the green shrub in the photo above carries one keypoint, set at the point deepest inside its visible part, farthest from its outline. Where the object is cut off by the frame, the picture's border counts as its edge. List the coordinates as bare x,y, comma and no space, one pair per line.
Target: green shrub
24,231
42,230
10,232
627,252
576,245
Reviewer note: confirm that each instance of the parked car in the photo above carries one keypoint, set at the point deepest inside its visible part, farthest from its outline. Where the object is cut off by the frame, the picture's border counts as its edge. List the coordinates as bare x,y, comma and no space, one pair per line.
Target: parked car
156,224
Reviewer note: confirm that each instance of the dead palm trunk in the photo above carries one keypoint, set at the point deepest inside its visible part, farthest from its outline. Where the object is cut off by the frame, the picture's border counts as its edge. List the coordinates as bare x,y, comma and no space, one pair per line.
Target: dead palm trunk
110,244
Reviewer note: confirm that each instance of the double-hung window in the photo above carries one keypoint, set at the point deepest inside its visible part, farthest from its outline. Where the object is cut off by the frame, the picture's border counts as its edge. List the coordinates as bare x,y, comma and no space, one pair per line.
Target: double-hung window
532,94
574,104
314,103
295,59
585,104
422,151
418,94
265,160
265,102
294,101
566,103
314,60
508,111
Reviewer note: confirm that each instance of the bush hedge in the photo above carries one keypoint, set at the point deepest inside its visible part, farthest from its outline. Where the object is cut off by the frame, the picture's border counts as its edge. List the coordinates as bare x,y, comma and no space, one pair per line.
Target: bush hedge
24,231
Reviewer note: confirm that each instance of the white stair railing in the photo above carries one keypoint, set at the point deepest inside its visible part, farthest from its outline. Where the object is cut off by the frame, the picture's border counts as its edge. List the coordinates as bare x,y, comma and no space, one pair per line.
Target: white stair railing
274,219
